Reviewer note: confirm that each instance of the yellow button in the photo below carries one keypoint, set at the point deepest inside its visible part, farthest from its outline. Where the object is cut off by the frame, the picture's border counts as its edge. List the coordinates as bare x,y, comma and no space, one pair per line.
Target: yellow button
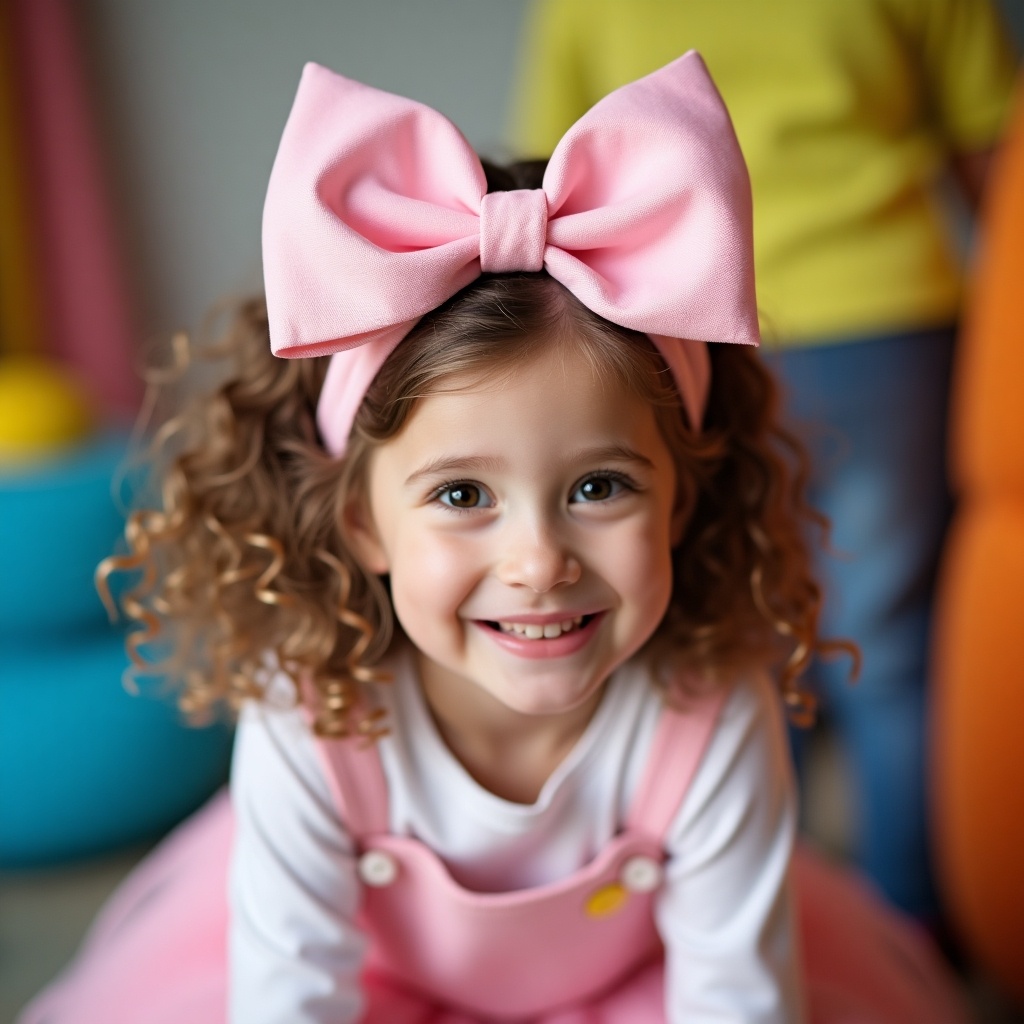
606,900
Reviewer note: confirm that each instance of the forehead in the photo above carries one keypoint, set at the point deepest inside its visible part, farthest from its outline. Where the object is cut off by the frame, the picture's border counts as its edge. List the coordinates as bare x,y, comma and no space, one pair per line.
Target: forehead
572,353
555,395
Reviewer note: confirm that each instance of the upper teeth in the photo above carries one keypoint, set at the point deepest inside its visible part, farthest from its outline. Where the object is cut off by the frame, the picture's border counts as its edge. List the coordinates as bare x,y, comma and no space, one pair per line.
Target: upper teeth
535,631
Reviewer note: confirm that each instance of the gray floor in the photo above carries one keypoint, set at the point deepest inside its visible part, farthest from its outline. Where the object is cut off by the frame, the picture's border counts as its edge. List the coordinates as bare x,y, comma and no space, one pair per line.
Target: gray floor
44,914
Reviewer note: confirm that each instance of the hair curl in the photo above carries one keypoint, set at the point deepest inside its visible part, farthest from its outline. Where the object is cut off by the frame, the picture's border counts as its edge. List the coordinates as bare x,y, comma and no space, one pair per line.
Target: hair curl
243,559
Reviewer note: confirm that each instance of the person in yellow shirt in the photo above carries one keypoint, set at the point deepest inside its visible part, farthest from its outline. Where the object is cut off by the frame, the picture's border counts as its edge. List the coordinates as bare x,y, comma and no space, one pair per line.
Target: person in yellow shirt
854,116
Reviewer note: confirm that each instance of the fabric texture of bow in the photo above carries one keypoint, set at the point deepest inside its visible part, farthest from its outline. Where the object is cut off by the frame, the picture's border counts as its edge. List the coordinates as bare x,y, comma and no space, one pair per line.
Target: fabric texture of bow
377,211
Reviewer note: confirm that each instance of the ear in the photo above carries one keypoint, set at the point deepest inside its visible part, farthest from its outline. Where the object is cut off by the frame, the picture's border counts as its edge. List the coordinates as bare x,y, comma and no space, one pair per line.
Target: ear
362,537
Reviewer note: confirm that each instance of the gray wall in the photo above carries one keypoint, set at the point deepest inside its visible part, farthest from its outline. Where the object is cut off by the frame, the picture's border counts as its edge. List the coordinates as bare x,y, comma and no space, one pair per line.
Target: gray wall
193,95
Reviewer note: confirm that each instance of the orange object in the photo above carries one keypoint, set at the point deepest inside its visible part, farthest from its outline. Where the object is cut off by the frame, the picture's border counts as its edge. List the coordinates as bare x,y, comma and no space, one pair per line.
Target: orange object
978,744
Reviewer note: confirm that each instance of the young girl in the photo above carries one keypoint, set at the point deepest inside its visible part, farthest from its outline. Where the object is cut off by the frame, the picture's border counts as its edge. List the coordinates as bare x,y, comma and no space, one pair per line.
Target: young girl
511,590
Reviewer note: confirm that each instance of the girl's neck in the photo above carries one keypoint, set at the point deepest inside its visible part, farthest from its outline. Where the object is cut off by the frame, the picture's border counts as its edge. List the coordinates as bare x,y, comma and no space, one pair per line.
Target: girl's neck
510,754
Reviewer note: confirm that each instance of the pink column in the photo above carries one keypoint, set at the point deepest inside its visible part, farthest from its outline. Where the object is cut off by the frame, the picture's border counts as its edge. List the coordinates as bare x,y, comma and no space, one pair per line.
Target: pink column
83,283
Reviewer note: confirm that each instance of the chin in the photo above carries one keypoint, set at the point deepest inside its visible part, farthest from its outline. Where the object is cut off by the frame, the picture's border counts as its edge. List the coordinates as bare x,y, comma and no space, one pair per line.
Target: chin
538,699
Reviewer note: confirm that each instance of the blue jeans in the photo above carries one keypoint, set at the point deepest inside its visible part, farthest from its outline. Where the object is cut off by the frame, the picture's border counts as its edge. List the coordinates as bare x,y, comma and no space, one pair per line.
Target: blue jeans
873,415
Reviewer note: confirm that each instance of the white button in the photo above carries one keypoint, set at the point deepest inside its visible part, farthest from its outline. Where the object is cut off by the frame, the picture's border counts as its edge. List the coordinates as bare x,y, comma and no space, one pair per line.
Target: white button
377,868
641,874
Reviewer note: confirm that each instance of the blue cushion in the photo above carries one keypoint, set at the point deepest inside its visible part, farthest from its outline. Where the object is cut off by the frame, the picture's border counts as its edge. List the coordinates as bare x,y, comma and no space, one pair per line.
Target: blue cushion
86,767
59,520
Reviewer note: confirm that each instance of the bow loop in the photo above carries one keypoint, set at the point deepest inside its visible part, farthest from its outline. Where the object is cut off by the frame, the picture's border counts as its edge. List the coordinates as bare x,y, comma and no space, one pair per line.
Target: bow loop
513,230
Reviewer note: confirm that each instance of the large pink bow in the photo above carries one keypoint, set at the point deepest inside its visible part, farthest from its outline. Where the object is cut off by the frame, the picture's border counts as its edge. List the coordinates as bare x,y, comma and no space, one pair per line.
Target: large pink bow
377,212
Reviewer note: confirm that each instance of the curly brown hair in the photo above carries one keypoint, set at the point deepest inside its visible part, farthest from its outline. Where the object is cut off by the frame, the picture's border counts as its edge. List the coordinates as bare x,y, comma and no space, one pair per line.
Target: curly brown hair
244,560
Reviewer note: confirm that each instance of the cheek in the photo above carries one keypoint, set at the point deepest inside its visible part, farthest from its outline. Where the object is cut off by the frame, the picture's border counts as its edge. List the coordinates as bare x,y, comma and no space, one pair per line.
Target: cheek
643,566
647,548
430,573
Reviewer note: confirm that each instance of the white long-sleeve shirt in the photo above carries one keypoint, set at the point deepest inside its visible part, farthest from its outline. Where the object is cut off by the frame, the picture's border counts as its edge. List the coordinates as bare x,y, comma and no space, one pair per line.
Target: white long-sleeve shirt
724,913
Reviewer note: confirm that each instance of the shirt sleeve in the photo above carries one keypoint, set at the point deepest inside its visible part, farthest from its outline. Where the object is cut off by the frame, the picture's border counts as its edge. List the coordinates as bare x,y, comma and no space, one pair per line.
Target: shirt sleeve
294,951
726,914
969,66
551,90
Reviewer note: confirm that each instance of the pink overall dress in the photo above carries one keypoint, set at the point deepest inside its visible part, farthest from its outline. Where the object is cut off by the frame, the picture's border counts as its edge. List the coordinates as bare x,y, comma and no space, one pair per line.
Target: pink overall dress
583,950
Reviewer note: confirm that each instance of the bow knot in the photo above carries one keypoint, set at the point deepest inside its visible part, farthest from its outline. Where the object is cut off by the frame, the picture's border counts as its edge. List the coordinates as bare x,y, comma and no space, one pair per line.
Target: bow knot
513,231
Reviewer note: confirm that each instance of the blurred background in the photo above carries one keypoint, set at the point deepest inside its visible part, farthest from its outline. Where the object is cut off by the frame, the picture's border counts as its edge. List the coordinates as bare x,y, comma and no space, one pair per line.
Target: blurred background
137,138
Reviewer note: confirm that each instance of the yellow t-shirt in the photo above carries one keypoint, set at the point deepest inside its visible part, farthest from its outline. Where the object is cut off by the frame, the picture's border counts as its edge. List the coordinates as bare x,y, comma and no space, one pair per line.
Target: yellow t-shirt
847,112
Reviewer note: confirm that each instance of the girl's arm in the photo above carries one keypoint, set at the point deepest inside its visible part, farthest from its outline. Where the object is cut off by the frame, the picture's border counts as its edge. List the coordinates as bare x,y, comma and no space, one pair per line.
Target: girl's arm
726,915
294,952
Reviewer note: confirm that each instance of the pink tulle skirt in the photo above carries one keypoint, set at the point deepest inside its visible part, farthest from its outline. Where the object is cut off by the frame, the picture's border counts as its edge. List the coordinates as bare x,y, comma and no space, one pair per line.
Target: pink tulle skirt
156,953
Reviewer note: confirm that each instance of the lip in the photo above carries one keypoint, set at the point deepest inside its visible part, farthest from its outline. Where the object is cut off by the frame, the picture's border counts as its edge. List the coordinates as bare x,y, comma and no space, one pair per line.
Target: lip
558,647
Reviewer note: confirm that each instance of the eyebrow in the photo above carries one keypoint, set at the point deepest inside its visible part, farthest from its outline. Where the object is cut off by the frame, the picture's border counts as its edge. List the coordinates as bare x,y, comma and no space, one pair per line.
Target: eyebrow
609,453
447,465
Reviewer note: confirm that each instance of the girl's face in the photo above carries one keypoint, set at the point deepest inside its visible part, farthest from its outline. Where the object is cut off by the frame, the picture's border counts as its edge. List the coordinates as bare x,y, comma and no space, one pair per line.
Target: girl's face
527,528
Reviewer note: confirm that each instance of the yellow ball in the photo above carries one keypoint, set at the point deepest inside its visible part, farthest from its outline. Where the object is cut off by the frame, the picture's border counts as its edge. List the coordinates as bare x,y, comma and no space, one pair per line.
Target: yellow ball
43,409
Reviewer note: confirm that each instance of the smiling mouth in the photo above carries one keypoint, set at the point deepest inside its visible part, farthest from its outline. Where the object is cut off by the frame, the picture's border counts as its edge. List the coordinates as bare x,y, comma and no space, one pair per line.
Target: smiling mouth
536,631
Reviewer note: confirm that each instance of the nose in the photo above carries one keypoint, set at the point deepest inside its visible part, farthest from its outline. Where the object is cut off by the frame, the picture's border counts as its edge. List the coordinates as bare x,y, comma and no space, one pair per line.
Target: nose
534,556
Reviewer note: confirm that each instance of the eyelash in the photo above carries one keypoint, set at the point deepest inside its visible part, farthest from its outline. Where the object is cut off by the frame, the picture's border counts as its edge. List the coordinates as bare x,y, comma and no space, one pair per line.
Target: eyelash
450,485
624,481
615,476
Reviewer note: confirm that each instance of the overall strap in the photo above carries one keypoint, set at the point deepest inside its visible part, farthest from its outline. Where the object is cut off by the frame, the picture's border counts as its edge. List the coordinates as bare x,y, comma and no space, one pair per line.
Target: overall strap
355,775
356,780
680,739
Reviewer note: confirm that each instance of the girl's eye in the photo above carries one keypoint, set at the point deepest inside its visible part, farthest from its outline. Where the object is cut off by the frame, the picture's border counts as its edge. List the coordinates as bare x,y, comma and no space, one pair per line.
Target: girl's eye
463,496
599,488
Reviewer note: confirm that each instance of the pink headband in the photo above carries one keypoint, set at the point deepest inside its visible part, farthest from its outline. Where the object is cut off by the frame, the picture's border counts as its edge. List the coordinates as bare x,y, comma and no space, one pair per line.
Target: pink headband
377,212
